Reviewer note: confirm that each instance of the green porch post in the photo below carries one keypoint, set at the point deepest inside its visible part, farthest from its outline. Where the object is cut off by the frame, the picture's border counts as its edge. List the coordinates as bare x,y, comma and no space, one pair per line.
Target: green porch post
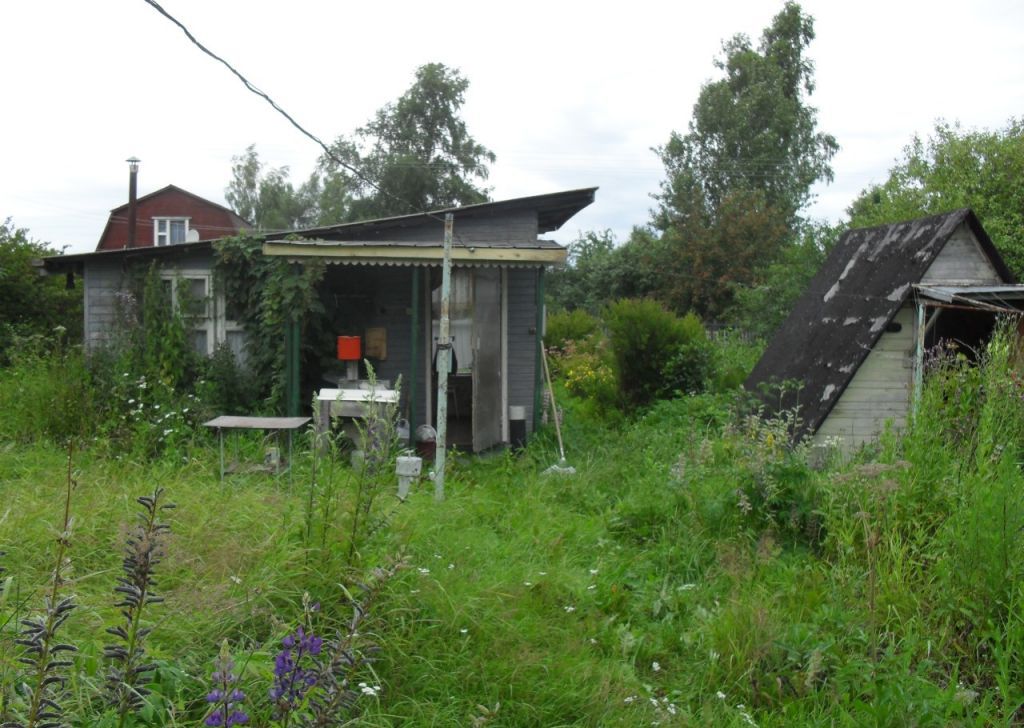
538,379
414,367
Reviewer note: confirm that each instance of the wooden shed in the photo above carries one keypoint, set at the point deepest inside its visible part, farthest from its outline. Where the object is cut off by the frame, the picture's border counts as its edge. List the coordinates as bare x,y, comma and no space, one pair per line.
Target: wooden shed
383,280
852,350
382,284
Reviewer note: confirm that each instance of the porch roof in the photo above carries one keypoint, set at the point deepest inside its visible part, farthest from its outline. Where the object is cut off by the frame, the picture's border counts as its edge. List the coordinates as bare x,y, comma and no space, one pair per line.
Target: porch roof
359,252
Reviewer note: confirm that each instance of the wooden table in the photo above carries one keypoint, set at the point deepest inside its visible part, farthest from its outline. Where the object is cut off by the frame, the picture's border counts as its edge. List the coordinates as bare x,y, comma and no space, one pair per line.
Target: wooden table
271,424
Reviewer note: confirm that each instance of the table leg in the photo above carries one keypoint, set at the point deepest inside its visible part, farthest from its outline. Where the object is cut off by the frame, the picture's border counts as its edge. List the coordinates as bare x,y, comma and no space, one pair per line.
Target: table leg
220,437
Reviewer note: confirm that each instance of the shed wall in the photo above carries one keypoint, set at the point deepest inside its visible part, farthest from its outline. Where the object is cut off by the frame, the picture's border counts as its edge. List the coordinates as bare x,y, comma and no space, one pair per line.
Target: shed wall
522,339
101,283
879,391
507,228
961,262
103,280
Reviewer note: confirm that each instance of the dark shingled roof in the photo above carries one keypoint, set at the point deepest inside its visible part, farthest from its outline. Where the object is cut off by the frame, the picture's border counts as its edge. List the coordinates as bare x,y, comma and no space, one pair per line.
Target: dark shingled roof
849,303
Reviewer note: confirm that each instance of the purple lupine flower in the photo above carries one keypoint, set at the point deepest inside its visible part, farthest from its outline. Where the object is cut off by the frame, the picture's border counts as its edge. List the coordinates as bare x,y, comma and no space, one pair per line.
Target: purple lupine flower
225,699
292,680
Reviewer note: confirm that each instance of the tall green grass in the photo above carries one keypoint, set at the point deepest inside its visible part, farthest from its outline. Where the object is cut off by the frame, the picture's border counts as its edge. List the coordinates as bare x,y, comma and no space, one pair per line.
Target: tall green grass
694,571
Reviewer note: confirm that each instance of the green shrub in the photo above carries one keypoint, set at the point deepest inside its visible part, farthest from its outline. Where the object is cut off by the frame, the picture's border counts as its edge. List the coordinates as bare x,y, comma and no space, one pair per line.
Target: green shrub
656,353
45,393
226,385
569,326
588,372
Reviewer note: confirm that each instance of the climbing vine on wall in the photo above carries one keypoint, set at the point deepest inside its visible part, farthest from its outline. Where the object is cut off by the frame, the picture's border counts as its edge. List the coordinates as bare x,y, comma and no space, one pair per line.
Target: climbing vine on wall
263,293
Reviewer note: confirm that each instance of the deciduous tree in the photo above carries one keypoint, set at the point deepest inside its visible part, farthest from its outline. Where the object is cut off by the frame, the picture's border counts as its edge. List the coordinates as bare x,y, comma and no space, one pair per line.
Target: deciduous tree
954,168
737,180
29,302
415,154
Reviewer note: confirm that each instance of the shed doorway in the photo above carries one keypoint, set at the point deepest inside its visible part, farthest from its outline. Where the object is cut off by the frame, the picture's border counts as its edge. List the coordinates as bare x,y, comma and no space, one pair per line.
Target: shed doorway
476,383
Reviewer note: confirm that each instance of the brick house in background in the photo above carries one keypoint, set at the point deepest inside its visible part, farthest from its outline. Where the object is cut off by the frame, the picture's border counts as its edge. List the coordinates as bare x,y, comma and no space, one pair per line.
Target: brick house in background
170,216
174,230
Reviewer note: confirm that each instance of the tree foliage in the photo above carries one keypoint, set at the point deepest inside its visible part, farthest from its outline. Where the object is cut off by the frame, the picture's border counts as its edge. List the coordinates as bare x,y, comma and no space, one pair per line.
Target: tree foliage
264,293
415,154
31,303
753,129
736,181
954,168
266,197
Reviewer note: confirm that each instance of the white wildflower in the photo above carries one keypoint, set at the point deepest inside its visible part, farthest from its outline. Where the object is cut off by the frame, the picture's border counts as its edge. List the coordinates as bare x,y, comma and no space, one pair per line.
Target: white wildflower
720,695
656,666
593,572
423,570
569,609
463,631
372,690
592,587
527,583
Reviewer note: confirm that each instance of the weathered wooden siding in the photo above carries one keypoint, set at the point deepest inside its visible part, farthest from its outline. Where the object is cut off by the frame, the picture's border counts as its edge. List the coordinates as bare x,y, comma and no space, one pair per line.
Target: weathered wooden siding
104,281
522,339
961,262
101,283
508,228
879,391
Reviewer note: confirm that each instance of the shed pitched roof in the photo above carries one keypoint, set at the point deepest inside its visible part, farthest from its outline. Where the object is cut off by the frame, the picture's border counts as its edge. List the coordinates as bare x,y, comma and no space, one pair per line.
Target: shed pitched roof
848,304
553,211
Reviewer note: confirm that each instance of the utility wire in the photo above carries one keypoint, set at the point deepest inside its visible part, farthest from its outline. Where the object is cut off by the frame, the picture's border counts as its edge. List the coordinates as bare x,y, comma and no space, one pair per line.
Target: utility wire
251,87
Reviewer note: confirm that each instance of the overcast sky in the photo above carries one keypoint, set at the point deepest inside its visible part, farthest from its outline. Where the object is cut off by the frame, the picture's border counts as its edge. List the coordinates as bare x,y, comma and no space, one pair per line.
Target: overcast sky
567,94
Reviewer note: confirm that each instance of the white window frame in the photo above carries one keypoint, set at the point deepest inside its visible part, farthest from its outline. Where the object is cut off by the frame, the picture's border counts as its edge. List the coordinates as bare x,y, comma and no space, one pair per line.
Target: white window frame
162,237
211,319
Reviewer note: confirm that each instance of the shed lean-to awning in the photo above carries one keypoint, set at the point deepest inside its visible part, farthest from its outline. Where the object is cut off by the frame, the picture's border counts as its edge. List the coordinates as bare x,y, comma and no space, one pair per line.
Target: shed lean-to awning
1005,298
503,233
354,252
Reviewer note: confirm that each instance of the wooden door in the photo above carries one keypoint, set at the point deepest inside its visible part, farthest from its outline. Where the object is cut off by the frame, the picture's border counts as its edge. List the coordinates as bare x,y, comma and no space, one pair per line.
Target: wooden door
487,343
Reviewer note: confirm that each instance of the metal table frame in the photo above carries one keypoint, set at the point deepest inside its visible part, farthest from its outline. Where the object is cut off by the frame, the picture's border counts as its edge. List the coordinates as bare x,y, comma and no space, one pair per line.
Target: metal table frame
271,424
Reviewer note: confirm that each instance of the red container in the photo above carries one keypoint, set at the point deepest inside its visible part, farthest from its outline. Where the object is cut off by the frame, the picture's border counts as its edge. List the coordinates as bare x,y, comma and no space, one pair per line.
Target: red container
349,348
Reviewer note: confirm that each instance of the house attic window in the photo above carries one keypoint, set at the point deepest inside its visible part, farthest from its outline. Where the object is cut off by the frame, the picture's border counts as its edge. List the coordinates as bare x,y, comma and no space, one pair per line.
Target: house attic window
170,230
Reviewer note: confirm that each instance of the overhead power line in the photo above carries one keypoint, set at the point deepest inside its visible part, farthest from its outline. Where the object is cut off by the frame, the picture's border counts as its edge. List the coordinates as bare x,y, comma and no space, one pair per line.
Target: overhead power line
262,94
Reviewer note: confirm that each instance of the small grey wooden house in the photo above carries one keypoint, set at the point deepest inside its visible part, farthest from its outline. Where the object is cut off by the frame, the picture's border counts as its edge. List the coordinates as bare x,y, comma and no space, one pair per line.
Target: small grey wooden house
382,283
853,347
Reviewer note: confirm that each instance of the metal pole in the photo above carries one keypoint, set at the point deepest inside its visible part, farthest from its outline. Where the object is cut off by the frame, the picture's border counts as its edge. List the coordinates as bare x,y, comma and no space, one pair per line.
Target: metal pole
444,347
133,175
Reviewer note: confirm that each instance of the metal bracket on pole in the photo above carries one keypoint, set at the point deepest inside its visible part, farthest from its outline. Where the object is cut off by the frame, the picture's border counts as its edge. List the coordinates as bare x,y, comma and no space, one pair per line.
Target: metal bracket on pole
444,348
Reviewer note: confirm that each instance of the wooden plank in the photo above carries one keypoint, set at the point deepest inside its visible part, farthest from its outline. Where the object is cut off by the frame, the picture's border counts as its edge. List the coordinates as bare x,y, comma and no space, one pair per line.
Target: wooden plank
235,422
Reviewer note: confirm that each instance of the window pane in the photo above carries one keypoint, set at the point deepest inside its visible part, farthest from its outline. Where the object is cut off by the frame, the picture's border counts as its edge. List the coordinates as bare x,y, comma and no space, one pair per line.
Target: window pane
199,341
194,301
177,231
236,342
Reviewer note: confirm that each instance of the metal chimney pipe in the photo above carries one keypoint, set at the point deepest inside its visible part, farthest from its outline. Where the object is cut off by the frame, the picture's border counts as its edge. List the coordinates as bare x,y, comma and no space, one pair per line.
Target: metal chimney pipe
133,175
